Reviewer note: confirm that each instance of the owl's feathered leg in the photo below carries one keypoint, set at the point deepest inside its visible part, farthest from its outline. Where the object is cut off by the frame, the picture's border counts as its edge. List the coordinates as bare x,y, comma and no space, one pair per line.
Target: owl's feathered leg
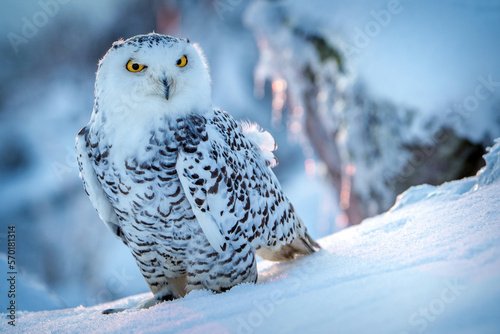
166,290
220,272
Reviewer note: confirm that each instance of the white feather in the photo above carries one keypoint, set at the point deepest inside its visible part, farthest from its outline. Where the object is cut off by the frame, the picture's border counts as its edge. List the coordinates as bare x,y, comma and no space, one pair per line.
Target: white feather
262,139
207,222
94,189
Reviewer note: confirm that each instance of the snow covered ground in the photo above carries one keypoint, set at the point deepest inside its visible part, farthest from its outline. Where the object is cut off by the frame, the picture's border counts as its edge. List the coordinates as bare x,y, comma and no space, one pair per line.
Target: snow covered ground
431,264
67,254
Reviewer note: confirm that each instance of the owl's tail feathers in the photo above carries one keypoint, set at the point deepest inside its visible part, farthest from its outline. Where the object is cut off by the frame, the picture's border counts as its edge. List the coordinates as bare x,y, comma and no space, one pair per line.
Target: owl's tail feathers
306,242
305,245
299,246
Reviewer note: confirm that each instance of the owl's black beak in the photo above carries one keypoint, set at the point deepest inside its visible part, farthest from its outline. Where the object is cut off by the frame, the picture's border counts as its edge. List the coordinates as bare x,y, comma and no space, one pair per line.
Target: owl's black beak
166,88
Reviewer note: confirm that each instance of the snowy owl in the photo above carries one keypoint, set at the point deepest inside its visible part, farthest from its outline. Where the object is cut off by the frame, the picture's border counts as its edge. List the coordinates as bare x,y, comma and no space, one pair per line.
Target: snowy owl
188,189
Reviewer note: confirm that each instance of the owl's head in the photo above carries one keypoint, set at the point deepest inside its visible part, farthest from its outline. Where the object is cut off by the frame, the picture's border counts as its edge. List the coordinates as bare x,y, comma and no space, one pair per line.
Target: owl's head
153,74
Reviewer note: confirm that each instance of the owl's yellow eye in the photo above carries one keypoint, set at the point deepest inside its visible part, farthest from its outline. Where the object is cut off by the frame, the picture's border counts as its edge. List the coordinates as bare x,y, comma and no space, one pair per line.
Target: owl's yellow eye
134,67
182,62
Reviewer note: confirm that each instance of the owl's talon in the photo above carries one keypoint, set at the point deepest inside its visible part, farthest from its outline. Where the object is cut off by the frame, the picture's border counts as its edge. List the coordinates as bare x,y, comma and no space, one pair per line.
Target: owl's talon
113,310
157,299
147,303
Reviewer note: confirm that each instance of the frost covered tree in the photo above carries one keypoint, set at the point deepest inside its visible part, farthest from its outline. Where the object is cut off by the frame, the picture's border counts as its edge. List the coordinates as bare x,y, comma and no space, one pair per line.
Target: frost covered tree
372,148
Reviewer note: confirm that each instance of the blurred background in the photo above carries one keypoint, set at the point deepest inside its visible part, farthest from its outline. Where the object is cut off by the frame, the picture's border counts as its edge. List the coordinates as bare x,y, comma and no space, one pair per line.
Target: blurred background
365,99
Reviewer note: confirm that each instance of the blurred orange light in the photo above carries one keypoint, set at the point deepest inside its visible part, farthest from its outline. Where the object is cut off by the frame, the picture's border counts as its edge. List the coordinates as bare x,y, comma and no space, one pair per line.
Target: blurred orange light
279,85
295,127
310,166
341,221
278,103
350,169
298,111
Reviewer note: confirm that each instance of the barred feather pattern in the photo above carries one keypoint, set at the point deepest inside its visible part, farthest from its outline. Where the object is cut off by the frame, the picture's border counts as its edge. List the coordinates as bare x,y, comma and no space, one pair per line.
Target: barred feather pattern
194,204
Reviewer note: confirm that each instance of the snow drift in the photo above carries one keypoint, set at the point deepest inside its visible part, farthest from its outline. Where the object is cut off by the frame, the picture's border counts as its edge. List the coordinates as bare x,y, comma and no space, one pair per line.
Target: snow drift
432,263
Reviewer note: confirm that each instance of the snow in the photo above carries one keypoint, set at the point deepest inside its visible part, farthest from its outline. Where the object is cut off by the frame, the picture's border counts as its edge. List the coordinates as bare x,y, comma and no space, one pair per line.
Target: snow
65,249
431,263
32,294
491,172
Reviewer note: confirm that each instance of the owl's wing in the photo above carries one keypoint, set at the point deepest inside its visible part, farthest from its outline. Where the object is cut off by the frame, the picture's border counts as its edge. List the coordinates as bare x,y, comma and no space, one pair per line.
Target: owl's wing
233,192
92,186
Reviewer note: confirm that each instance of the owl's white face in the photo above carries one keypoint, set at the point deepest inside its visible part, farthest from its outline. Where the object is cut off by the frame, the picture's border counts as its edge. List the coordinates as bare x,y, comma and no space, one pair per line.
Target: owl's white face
153,74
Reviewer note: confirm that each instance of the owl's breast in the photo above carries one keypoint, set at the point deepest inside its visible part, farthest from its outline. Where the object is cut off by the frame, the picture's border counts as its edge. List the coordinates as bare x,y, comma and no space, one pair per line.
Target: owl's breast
146,193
